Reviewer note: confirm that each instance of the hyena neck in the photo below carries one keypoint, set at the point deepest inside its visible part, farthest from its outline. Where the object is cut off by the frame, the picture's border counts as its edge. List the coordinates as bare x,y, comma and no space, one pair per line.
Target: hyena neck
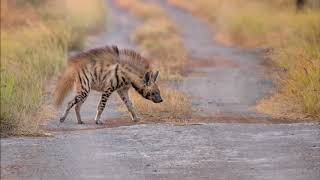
139,87
136,80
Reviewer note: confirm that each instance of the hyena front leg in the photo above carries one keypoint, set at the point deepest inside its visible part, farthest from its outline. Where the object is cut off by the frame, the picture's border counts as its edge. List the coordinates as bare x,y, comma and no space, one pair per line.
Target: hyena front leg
101,106
123,93
78,101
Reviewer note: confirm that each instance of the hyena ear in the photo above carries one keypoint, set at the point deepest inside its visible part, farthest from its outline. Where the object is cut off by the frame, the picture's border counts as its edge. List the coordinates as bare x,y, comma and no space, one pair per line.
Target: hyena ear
155,76
147,78
115,49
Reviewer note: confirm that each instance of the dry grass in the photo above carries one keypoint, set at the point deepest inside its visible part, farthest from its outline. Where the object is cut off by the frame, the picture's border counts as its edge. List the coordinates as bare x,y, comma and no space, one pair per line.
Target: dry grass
160,38
84,17
294,38
141,9
176,106
282,106
35,36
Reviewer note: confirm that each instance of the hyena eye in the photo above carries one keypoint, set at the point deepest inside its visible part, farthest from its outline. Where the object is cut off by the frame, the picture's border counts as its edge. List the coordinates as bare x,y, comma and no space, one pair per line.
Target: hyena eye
153,94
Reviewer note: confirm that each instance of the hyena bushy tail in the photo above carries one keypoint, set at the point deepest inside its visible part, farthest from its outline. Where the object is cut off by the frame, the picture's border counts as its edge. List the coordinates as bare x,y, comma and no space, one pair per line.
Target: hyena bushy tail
65,84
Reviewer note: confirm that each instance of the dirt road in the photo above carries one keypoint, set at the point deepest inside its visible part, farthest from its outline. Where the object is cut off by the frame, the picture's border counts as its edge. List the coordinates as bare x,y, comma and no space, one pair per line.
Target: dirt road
208,151
230,83
231,80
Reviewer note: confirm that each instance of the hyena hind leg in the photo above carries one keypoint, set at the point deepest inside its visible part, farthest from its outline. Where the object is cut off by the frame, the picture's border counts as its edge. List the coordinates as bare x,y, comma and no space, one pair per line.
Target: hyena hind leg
77,109
101,106
124,95
77,100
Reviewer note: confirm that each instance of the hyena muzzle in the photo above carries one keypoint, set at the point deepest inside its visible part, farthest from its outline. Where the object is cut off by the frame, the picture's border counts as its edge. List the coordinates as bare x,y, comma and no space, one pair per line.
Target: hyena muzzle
106,70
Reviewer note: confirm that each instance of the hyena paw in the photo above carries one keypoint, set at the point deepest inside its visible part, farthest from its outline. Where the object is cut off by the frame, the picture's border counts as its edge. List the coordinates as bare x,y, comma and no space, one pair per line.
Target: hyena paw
62,119
99,122
136,119
80,122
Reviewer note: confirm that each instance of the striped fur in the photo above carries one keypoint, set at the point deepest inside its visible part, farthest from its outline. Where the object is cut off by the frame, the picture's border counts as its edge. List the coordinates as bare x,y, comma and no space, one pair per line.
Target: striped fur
106,70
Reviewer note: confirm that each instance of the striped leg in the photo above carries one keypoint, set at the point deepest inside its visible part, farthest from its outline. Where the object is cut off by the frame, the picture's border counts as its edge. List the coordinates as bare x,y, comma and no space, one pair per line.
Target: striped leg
101,106
123,93
78,100
77,109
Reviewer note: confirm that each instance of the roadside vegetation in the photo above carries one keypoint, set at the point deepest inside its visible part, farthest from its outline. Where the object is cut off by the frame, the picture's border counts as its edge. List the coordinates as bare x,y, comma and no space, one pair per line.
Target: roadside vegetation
176,107
293,37
35,38
160,38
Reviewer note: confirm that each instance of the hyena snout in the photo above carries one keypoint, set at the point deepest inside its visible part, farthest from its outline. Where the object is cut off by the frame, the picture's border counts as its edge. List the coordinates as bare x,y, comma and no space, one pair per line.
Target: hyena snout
157,99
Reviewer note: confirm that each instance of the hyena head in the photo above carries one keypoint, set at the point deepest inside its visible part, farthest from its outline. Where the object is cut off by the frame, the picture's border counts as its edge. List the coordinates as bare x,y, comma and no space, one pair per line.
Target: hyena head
151,90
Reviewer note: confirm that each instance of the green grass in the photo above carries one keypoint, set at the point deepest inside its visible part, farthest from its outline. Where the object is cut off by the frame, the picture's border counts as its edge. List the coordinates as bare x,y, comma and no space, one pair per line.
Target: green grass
34,46
28,60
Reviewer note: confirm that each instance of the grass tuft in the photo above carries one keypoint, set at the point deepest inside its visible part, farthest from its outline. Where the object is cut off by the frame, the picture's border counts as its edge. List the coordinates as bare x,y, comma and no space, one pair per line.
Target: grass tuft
175,107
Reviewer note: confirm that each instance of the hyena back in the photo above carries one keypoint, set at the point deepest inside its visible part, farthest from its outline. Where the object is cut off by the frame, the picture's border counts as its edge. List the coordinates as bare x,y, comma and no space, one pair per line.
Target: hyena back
106,70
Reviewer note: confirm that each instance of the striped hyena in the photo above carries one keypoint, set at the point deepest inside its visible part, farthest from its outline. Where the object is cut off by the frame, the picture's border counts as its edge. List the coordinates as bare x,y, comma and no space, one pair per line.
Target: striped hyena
106,70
